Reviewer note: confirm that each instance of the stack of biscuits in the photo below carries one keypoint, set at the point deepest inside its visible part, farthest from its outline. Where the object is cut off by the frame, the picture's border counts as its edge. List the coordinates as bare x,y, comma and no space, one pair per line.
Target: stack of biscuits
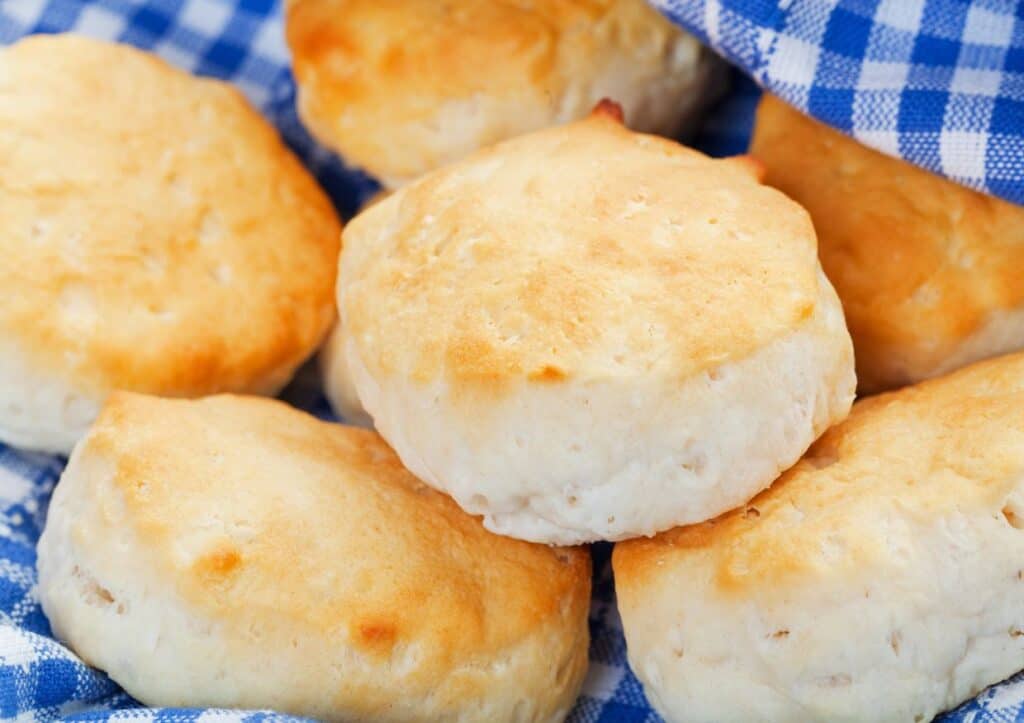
555,326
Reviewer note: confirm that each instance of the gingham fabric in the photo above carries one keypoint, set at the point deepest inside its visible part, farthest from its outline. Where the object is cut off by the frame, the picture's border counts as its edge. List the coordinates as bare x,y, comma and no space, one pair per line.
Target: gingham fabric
939,83
242,42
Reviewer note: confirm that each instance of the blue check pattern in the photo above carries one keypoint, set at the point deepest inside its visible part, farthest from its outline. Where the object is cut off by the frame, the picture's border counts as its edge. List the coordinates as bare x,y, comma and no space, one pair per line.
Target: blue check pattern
939,83
242,42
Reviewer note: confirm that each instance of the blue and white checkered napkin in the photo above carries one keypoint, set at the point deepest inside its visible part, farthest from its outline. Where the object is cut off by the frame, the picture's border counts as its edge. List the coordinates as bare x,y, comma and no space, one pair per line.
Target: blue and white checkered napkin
939,83
242,42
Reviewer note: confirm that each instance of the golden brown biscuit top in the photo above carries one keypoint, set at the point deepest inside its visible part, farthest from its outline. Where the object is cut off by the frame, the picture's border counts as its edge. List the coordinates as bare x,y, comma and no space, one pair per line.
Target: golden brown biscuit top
919,262
395,53
449,77
265,516
583,250
950,445
156,233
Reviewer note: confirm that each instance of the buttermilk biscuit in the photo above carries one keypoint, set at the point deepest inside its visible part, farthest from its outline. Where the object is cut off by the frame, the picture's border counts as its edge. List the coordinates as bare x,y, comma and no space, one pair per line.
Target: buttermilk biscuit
587,333
400,87
236,552
156,236
930,273
880,579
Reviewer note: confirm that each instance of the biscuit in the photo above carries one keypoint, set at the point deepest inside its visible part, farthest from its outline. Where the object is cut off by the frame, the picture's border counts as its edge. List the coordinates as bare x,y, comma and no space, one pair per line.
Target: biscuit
235,552
337,381
880,579
576,322
157,236
930,273
400,87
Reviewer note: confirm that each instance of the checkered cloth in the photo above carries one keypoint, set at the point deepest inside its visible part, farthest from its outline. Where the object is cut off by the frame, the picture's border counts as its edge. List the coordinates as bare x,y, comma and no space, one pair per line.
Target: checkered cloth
939,83
242,42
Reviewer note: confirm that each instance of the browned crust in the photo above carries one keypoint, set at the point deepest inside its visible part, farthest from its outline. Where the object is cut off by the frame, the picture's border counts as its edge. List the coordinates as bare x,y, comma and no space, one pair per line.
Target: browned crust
157,234
919,262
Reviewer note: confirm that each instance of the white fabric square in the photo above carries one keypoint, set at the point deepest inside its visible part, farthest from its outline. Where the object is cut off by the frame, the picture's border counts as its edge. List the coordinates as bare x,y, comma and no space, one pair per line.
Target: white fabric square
16,647
13,486
963,154
793,61
901,14
985,27
98,22
880,75
269,43
976,82
204,17
25,12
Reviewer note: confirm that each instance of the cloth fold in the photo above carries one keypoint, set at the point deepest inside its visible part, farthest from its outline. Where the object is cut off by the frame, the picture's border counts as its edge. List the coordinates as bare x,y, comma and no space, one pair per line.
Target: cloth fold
939,83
